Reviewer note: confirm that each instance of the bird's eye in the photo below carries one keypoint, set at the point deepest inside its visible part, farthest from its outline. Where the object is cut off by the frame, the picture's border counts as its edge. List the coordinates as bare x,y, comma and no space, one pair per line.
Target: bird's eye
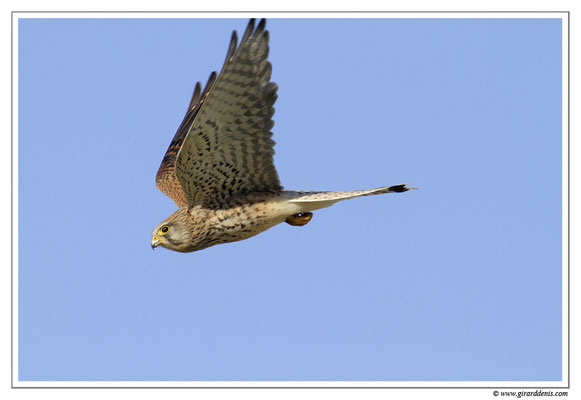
164,229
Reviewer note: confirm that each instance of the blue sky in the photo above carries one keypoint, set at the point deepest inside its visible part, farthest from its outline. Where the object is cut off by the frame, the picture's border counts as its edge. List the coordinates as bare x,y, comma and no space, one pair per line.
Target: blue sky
460,280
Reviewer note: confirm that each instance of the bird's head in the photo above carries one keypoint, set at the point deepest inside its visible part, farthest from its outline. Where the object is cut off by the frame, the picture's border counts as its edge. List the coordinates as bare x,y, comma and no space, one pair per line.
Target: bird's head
173,233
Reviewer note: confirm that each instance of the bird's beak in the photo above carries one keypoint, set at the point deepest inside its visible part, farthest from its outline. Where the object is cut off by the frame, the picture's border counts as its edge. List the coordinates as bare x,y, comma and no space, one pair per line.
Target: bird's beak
155,242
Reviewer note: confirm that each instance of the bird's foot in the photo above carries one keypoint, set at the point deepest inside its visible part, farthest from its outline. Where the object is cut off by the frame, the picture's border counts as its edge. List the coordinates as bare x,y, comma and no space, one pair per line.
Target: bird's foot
300,219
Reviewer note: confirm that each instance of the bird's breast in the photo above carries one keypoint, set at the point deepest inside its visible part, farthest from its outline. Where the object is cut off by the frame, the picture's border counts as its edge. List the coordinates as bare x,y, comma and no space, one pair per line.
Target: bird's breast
250,217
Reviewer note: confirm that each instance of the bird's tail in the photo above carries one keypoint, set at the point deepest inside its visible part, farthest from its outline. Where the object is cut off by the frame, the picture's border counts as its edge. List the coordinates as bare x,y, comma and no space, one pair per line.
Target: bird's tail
314,200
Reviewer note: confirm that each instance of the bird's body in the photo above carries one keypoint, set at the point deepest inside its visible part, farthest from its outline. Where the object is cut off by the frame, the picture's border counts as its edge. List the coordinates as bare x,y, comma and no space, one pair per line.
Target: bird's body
219,167
243,216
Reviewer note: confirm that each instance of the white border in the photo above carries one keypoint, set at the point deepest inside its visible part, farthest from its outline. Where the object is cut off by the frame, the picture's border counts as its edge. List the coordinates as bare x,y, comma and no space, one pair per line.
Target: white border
565,199
296,384
564,383
14,199
292,14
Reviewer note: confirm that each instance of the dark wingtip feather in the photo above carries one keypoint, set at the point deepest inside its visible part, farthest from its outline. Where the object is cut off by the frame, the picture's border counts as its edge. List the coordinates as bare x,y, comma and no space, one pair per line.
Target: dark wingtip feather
248,31
266,37
196,96
260,27
270,95
210,82
232,47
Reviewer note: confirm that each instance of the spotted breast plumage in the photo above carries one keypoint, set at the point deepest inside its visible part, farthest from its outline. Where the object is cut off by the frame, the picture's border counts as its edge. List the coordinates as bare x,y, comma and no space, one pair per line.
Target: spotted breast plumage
219,167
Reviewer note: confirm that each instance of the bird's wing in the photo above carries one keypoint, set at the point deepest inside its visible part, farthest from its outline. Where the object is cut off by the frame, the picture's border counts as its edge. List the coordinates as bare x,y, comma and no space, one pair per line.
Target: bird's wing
166,179
226,144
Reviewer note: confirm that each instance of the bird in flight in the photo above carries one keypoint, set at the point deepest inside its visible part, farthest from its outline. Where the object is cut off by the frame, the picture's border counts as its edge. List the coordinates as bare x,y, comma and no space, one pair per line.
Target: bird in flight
219,167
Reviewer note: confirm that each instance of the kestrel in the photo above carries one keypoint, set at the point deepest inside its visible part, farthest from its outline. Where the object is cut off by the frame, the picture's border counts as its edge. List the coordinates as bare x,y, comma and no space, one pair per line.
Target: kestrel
219,167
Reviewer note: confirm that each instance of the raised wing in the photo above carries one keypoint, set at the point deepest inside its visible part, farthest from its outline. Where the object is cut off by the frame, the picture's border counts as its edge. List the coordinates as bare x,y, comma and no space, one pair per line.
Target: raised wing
227,148
166,179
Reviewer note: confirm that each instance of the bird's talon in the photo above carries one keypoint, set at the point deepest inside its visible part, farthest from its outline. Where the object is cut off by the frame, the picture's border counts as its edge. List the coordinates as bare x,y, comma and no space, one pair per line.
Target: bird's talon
300,219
